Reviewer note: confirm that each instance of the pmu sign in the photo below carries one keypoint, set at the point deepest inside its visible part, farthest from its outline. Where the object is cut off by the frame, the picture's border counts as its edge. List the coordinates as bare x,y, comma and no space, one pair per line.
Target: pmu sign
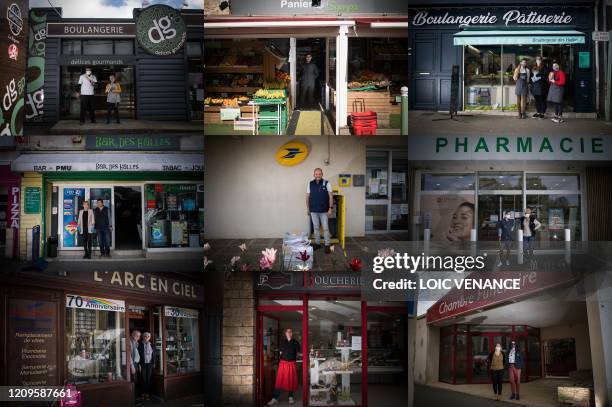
161,30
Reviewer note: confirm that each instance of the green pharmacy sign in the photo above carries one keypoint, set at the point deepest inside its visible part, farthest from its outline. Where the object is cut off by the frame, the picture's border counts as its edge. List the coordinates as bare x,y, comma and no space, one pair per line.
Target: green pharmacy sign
160,30
510,148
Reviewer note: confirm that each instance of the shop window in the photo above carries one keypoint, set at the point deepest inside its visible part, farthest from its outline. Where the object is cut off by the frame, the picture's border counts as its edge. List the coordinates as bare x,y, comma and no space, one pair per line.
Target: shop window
447,182
182,340
461,359
335,345
503,181
98,47
174,215
483,90
95,344
566,182
293,301
71,47
491,328
557,212
124,47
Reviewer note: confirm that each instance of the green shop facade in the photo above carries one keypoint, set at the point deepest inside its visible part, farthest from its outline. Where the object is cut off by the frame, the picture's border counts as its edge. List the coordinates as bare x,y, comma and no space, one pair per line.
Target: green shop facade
156,200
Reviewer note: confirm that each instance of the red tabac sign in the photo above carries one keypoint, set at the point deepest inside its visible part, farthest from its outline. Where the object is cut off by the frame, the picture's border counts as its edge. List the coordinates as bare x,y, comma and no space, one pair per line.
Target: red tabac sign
463,301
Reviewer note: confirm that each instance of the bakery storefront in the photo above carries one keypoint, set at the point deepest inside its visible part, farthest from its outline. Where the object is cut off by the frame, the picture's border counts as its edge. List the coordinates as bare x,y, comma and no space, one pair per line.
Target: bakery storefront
487,43
354,352
463,185
159,70
74,329
156,199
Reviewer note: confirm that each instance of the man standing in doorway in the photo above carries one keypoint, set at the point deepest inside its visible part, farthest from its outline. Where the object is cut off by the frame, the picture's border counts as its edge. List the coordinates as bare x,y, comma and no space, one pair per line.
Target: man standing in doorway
310,73
88,82
319,203
85,226
102,218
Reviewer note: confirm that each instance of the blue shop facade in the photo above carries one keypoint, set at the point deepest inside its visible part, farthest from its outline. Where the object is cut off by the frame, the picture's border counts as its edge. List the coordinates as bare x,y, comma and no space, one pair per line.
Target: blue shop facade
487,41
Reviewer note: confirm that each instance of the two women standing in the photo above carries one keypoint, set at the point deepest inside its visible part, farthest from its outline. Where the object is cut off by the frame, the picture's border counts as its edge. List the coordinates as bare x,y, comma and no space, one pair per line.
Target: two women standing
498,362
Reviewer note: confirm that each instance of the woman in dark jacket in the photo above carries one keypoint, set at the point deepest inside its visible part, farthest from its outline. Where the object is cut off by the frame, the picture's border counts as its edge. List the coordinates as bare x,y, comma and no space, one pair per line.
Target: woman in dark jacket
147,362
539,87
515,364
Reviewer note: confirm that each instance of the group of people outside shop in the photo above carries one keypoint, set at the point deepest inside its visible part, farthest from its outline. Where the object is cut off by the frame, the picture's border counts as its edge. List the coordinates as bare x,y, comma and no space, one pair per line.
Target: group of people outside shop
498,362
505,234
142,363
96,221
87,85
543,85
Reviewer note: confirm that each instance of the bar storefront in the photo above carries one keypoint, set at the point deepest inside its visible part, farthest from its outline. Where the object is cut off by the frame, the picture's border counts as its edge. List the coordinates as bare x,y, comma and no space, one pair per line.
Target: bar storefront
338,333
75,329
487,44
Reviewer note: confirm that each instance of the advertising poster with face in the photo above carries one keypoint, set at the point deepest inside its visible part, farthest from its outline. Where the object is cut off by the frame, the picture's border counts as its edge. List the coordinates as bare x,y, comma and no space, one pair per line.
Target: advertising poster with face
450,217
13,46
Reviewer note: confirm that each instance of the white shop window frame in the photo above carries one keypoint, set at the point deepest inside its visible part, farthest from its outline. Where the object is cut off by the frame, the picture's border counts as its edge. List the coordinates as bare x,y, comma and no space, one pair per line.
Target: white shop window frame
476,191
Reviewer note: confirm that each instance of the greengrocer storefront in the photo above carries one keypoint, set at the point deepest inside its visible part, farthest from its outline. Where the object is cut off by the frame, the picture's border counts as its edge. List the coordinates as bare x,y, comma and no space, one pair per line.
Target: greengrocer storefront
156,200
262,45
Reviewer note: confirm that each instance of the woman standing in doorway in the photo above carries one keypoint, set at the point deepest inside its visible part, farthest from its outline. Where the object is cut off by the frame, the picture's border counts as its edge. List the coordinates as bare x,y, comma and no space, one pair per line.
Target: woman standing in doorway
496,362
147,363
521,77
555,94
515,364
539,87
113,97
286,377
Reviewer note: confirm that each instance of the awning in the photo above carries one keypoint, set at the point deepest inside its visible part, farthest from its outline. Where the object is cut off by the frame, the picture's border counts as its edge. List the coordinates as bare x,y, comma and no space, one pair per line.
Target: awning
501,37
112,162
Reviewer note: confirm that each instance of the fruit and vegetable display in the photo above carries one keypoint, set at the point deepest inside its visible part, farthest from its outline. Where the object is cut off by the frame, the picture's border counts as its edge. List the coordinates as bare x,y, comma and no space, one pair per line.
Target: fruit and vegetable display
274,84
282,76
369,79
226,102
270,94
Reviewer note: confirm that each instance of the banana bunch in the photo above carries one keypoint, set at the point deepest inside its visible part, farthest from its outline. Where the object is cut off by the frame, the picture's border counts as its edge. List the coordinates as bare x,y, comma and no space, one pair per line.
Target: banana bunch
270,94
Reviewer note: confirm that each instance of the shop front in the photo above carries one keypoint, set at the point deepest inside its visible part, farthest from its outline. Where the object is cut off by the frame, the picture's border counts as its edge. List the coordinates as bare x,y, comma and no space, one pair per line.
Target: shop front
360,55
487,44
74,329
353,352
464,185
159,72
156,200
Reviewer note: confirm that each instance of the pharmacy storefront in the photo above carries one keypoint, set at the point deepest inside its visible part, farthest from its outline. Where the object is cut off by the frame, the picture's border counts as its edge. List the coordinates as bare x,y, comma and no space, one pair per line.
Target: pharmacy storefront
75,330
463,185
156,200
487,43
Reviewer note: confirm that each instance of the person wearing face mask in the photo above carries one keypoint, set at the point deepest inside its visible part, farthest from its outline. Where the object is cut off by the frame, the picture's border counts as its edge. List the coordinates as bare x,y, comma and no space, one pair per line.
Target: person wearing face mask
497,363
539,87
529,226
521,77
113,97
515,364
555,94
88,82
505,227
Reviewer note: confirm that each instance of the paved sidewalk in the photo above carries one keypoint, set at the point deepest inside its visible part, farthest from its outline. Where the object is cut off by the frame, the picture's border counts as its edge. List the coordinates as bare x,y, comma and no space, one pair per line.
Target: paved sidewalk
72,127
537,393
435,123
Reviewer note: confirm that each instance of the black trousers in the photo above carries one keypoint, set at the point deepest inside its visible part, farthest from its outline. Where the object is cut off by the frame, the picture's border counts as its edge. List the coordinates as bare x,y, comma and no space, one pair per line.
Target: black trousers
559,109
147,373
307,96
540,102
109,108
87,104
87,241
497,376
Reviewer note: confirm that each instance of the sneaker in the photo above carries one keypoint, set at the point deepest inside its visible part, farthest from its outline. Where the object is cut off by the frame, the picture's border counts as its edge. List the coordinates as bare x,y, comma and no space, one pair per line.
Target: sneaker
291,400
499,264
272,402
536,115
555,120
507,262
327,249
560,120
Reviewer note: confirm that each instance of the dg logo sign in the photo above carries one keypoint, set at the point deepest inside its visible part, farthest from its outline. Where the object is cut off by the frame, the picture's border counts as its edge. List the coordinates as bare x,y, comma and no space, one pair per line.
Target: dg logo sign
160,30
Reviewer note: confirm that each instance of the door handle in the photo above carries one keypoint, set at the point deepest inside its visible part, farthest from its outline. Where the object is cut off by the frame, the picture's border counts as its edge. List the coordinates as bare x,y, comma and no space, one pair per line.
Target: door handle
424,73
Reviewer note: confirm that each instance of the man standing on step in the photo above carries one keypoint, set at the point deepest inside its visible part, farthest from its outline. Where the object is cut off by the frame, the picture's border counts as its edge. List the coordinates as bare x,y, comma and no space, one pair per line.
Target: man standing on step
87,82
310,73
319,203
103,225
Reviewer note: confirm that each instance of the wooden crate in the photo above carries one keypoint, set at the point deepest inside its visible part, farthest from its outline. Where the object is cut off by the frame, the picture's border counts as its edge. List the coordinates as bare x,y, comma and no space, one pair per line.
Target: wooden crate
378,101
575,396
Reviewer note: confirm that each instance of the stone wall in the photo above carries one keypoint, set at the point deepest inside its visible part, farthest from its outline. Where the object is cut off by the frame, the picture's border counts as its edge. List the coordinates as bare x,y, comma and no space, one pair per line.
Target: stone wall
239,340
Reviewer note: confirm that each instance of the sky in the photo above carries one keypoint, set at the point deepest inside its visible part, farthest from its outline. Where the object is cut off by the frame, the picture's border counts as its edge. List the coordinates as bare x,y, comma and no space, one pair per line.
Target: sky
107,8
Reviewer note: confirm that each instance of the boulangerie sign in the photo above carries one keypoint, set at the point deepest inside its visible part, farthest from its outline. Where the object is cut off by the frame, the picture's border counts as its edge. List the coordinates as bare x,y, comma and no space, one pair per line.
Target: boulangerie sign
501,17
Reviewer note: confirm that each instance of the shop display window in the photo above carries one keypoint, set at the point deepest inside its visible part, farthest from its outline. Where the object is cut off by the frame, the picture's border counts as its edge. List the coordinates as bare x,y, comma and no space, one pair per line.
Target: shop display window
182,340
447,182
482,74
335,349
96,349
71,47
97,47
557,212
502,181
174,215
124,47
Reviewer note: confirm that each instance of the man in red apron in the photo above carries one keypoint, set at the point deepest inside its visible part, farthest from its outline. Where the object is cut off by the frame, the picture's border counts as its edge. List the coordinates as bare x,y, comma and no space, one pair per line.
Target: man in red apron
286,377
